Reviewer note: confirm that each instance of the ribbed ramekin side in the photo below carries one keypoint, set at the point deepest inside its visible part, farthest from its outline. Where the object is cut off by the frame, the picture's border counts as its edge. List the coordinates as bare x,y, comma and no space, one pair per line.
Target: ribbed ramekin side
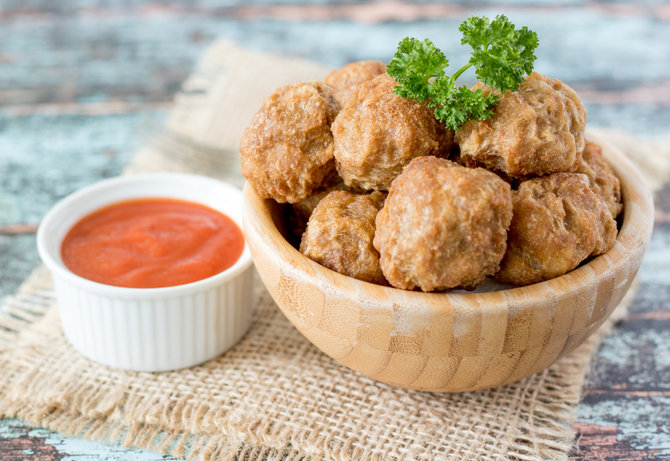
236,320
157,334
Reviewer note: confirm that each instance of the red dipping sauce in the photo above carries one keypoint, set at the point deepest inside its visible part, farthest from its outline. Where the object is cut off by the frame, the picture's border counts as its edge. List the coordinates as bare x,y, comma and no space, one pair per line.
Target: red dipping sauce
152,243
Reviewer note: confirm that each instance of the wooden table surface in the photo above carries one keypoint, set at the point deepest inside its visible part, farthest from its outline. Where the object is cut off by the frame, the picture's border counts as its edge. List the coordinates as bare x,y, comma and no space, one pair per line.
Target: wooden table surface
82,82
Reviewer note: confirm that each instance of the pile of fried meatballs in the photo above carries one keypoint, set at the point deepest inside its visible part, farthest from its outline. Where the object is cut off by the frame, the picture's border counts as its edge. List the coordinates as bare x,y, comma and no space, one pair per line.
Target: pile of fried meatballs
382,192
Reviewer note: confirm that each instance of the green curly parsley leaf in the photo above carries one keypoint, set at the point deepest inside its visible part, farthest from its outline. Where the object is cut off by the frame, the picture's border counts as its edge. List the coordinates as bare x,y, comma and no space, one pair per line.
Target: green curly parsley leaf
502,56
413,65
463,104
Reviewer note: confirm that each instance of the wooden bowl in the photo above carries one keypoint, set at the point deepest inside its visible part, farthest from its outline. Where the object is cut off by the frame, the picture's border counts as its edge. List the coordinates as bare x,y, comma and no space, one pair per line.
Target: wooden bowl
450,342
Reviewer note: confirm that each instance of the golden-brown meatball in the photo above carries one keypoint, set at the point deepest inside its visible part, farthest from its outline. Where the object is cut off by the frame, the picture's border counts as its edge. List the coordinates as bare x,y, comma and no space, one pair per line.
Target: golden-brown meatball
287,150
345,79
443,226
303,209
601,176
536,130
339,235
558,222
378,132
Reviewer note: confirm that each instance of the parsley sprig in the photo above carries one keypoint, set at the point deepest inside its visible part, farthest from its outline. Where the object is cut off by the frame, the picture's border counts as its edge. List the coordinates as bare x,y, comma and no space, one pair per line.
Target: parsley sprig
501,56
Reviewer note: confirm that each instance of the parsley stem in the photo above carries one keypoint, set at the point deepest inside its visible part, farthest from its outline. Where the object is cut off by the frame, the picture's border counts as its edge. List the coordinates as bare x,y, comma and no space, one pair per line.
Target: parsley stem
460,71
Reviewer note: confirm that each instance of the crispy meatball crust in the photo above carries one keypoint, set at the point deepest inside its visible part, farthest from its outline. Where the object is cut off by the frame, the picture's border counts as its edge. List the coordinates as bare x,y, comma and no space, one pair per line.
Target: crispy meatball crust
536,130
558,222
602,179
345,79
287,150
339,235
303,209
443,226
378,132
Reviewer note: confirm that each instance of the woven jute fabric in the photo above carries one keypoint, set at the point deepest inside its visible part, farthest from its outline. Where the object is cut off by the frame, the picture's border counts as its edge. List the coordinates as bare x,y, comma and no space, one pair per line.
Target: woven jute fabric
274,395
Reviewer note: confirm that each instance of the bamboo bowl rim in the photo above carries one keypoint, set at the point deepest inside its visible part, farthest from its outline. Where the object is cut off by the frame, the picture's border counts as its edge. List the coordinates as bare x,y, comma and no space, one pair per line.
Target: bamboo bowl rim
635,231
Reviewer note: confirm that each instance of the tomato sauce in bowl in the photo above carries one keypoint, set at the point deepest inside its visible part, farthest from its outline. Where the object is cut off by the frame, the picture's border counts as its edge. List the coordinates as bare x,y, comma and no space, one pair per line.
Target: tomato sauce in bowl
152,243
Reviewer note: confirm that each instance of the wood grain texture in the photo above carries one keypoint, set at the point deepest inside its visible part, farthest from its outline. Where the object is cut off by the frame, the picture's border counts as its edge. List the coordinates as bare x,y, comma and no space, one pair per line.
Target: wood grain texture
450,342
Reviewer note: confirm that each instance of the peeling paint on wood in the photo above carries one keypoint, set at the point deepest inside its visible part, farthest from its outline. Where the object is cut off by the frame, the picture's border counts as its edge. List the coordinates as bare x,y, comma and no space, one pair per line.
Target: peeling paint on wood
602,443
18,441
17,444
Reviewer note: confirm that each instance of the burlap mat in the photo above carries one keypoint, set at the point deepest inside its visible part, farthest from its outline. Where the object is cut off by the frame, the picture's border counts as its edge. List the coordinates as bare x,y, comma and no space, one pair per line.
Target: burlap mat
274,395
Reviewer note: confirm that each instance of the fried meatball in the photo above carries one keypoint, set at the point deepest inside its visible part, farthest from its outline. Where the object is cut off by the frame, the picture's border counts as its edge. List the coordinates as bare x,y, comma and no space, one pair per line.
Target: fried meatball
303,209
601,176
378,132
287,150
536,130
345,79
339,235
443,226
558,222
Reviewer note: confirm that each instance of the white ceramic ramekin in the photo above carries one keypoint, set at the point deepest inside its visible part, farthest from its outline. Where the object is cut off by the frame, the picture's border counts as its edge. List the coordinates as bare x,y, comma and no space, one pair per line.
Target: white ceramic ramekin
149,329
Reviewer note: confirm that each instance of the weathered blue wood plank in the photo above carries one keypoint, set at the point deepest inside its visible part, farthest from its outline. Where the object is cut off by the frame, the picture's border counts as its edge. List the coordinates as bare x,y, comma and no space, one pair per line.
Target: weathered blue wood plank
626,404
45,157
17,259
35,443
96,56
328,8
